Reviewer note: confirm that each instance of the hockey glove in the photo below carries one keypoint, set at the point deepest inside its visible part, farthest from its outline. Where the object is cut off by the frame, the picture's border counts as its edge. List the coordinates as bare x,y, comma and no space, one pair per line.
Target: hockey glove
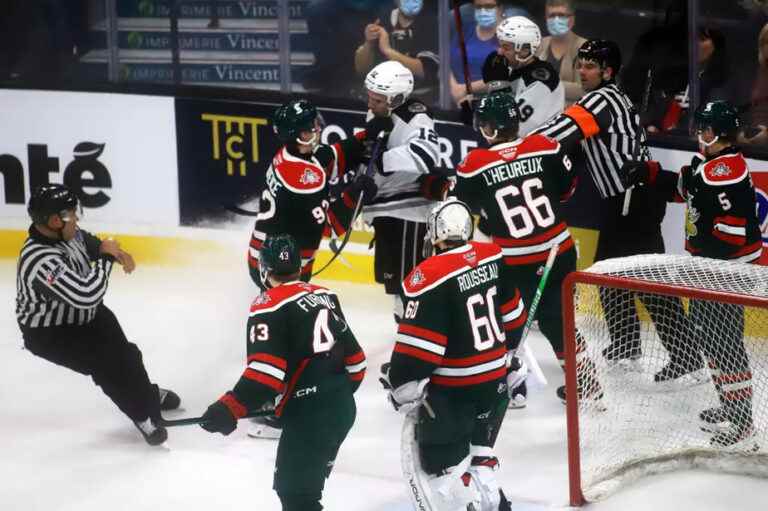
221,416
516,374
638,172
384,378
363,184
376,125
409,395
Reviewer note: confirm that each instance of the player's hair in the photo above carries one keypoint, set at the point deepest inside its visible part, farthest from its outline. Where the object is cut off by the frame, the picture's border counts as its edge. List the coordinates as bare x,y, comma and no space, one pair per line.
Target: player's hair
568,4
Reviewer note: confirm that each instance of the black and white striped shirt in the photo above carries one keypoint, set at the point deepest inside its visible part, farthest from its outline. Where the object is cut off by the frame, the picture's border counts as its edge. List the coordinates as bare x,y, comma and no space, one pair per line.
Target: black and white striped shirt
606,124
58,282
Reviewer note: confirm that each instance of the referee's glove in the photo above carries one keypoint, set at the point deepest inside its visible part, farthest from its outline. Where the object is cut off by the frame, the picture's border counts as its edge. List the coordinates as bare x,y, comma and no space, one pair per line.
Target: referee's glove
638,173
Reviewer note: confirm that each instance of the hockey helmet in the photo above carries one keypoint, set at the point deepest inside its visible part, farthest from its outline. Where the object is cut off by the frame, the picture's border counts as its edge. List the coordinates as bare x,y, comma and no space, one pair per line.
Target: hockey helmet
295,117
521,32
51,199
279,255
721,116
450,220
391,79
497,111
602,51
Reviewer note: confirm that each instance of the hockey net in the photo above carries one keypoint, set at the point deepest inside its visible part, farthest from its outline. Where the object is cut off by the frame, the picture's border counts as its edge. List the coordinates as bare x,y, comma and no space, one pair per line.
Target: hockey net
633,416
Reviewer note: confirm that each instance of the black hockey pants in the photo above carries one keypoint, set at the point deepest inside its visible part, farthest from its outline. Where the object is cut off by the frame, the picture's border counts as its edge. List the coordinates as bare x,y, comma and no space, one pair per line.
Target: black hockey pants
100,350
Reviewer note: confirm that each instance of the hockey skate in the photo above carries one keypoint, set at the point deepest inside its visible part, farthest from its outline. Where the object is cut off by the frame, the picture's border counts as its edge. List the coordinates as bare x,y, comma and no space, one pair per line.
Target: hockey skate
169,400
267,428
152,433
624,356
686,371
593,394
738,435
519,397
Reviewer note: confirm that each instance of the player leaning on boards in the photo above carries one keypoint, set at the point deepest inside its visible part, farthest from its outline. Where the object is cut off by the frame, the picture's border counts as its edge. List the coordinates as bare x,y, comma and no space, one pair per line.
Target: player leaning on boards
721,223
298,198
450,356
514,67
62,276
406,178
516,185
606,125
303,361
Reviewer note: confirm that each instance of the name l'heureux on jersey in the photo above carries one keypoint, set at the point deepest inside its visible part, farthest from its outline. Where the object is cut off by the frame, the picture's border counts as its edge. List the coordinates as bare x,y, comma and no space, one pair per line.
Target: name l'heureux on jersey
511,170
312,301
477,276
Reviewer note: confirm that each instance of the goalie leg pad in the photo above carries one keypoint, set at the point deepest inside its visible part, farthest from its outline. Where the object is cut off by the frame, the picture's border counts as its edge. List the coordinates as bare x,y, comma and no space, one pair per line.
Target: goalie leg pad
456,490
483,469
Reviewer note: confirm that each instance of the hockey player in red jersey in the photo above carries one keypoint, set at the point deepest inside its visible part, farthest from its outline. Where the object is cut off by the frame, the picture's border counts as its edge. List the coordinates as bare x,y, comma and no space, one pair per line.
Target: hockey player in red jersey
451,350
516,186
298,198
721,223
305,363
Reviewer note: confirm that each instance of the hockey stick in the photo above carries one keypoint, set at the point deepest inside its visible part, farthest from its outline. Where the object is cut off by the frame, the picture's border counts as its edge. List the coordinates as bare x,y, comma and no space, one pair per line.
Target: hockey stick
191,421
522,347
638,142
369,171
466,107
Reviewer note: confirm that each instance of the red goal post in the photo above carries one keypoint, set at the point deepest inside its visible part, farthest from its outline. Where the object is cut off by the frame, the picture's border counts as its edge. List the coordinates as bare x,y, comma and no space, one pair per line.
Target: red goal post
639,426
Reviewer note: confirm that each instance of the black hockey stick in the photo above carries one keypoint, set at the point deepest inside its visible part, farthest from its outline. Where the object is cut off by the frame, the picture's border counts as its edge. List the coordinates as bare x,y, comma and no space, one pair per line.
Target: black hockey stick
191,421
639,141
336,248
466,107
240,211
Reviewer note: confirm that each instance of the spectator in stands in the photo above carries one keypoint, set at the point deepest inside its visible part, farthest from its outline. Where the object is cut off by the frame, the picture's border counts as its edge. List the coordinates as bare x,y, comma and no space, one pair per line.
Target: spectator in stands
408,35
757,118
562,45
479,40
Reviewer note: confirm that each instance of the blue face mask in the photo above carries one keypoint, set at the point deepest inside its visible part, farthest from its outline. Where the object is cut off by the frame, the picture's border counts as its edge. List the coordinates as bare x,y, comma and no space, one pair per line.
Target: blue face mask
558,25
485,18
411,8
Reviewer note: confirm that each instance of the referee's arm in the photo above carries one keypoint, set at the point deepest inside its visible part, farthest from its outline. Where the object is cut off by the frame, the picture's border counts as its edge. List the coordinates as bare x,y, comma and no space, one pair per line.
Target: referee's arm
584,119
57,281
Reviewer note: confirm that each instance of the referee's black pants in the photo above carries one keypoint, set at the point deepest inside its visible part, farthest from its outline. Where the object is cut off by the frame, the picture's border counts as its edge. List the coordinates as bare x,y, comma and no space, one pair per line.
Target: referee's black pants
100,350
639,232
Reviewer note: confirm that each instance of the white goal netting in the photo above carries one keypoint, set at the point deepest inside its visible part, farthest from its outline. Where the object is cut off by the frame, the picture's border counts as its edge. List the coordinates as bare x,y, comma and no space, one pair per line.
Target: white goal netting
671,382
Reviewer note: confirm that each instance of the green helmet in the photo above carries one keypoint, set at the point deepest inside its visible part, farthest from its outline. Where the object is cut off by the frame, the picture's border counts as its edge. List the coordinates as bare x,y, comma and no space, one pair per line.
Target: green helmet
498,110
721,116
279,255
294,117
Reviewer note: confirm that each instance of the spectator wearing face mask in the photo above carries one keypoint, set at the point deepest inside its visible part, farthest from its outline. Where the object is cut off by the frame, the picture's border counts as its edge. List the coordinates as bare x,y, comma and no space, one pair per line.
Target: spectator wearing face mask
406,34
480,40
562,45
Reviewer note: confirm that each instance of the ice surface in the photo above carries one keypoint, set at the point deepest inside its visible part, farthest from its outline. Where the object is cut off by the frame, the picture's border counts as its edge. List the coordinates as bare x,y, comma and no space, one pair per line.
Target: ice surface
64,446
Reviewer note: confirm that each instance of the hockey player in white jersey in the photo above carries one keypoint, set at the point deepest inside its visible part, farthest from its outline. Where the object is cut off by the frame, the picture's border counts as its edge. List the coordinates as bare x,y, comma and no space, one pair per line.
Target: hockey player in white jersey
405,176
533,82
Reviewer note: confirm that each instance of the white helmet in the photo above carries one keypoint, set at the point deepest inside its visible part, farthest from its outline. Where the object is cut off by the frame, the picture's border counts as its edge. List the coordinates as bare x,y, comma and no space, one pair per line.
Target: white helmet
391,79
450,220
521,32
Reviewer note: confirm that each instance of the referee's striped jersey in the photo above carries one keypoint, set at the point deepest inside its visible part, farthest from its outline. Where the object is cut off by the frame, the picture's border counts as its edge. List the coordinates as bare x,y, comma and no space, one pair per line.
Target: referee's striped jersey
60,282
606,123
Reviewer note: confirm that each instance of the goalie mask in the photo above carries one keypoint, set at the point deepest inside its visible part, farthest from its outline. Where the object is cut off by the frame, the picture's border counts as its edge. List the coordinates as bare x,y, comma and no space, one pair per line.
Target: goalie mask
279,255
392,80
296,117
521,35
450,220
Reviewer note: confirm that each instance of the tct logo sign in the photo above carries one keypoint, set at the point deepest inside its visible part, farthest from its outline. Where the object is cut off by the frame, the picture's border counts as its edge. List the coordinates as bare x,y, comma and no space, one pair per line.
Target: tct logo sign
83,171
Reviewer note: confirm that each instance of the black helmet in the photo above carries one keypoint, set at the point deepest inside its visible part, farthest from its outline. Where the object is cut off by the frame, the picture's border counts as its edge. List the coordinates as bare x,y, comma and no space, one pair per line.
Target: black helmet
279,255
294,117
52,199
498,109
721,116
606,53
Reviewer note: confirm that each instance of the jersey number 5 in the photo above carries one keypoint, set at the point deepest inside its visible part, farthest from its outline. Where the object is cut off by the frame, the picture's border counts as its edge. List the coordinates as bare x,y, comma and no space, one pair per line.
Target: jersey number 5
485,328
523,218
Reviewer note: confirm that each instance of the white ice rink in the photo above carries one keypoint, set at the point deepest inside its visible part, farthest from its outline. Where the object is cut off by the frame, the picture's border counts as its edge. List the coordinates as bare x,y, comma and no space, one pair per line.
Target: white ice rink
65,446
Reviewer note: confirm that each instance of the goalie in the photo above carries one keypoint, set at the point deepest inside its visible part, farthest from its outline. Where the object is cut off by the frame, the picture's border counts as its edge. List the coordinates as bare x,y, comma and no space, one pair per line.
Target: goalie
721,223
449,368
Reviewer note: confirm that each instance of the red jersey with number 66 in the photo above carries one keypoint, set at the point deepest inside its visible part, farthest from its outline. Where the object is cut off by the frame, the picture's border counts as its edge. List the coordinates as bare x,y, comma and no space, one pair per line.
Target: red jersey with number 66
516,188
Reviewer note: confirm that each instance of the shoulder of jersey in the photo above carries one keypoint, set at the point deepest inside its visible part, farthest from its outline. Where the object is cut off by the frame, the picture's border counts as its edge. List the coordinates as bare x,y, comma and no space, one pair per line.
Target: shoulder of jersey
725,170
476,160
437,269
277,297
411,109
532,145
298,175
541,71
